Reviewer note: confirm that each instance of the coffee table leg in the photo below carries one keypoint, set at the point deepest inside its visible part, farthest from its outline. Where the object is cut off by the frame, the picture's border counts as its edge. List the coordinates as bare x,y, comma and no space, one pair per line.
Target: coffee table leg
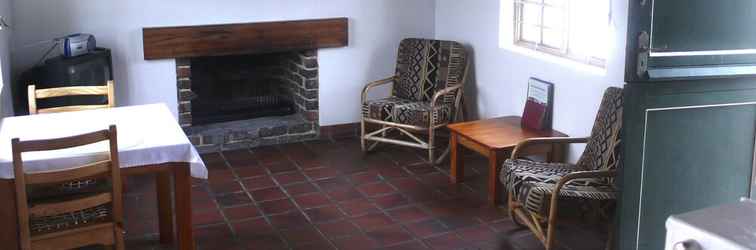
165,208
457,163
557,152
182,182
493,180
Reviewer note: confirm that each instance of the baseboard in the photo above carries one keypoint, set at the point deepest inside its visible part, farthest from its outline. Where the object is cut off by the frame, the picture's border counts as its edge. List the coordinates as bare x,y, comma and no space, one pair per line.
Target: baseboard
340,130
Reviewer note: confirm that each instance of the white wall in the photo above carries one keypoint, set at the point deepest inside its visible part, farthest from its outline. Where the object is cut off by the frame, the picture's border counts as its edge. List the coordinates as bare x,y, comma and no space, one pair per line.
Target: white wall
6,101
376,27
500,75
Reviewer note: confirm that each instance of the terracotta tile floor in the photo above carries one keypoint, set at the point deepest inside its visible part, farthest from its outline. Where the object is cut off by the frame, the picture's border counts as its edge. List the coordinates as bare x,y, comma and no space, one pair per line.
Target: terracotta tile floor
326,195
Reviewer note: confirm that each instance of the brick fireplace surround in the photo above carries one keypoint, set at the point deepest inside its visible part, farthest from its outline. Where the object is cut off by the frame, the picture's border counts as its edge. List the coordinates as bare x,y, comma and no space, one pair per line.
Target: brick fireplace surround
280,56
296,71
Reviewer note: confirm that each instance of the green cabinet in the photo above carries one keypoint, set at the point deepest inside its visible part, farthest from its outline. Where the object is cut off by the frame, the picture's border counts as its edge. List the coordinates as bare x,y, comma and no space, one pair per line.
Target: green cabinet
687,145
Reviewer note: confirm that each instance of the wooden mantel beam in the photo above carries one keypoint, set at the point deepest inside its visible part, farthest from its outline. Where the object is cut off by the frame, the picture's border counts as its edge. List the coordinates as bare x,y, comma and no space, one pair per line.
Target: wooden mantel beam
245,38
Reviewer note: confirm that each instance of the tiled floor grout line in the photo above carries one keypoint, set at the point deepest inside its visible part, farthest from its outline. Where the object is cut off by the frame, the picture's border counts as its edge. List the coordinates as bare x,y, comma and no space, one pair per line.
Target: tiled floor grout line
418,205
371,199
348,218
222,209
270,174
385,212
254,202
300,209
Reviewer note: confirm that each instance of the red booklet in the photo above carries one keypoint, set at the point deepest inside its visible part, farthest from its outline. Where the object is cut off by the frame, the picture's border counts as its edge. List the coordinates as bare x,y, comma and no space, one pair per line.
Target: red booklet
539,105
534,115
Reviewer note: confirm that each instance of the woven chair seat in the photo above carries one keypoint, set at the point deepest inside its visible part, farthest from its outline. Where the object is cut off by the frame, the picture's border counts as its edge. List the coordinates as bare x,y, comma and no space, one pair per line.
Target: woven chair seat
420,114
48,224
66,190
382,109
405,111
63,192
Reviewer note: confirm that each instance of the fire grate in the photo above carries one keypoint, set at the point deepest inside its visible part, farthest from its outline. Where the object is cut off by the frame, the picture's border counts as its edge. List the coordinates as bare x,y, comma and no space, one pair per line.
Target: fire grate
242,108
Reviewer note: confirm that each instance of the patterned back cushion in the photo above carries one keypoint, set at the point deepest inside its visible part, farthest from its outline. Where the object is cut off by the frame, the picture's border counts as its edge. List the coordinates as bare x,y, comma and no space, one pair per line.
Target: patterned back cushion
427,66
603,149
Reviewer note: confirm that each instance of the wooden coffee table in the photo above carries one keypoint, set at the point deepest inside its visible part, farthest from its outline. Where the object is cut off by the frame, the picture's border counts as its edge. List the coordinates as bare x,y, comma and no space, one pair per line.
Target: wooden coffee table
495,139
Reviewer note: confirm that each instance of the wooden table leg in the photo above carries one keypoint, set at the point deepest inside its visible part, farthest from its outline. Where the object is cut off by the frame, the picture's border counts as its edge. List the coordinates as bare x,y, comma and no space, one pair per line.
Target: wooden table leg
8,215
493,180
558,152
165,208
182,181
457,161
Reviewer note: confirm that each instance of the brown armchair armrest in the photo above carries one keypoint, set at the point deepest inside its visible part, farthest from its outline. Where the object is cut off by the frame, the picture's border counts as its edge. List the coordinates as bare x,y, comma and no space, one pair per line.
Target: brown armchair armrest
576,176
580,175
374,84
563,181
443,92
547,140
586,175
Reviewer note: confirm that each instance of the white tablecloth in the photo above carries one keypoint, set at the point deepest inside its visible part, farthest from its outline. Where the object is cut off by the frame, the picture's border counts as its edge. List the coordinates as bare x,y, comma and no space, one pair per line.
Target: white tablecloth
147,135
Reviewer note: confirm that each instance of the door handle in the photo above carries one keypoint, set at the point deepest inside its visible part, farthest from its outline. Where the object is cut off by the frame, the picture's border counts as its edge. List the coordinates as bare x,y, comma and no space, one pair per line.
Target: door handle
687,245
3,23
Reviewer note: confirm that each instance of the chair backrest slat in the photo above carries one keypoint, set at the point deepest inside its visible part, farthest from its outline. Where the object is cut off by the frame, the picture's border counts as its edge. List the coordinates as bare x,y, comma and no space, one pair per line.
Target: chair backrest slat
65,207
107,90
62,143
69,91
80,173
70,108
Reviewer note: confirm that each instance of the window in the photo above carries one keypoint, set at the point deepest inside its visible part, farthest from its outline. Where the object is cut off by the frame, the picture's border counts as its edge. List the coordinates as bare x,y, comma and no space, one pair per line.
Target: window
574,29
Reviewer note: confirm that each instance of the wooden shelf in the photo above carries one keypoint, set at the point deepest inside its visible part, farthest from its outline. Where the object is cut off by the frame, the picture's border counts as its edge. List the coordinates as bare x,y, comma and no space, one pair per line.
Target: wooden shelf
245,38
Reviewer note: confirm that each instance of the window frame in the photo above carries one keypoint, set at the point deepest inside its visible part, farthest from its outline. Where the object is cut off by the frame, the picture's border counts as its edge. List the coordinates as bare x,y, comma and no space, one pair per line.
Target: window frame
564,52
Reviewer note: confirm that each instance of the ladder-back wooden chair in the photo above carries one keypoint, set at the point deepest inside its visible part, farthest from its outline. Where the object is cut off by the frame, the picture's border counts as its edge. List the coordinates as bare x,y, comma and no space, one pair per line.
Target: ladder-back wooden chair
535,188
426,95
55,212
35,94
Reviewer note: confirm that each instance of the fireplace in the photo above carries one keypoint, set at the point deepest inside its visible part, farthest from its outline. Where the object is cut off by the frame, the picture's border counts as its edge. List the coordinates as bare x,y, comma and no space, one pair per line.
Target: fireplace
230,88
246,85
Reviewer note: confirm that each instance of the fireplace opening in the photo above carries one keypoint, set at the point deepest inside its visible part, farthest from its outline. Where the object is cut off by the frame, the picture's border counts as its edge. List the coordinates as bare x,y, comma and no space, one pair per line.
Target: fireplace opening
231,88
237,101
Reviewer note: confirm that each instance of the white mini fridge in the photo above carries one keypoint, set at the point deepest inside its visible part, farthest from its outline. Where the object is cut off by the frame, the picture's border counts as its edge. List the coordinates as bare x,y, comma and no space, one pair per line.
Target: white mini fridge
731,226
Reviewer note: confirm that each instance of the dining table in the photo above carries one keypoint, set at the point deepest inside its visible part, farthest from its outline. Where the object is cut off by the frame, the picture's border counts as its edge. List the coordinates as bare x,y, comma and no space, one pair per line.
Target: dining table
150,142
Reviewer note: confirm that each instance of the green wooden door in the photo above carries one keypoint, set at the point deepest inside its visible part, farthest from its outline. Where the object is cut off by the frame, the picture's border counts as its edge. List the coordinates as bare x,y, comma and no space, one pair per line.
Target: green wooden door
688,145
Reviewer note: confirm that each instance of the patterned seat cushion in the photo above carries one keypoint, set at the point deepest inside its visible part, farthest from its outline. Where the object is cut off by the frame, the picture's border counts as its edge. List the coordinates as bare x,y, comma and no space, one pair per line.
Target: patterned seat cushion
536,196
382,109
534,182
420,113
515,173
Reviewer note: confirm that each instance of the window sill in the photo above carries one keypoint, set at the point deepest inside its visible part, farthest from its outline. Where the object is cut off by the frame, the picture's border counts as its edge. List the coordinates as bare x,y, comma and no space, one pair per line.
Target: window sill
561,61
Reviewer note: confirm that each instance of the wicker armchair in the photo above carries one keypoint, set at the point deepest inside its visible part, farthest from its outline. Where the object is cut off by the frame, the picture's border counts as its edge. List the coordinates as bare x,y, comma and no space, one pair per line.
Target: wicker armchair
532,185
426,95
